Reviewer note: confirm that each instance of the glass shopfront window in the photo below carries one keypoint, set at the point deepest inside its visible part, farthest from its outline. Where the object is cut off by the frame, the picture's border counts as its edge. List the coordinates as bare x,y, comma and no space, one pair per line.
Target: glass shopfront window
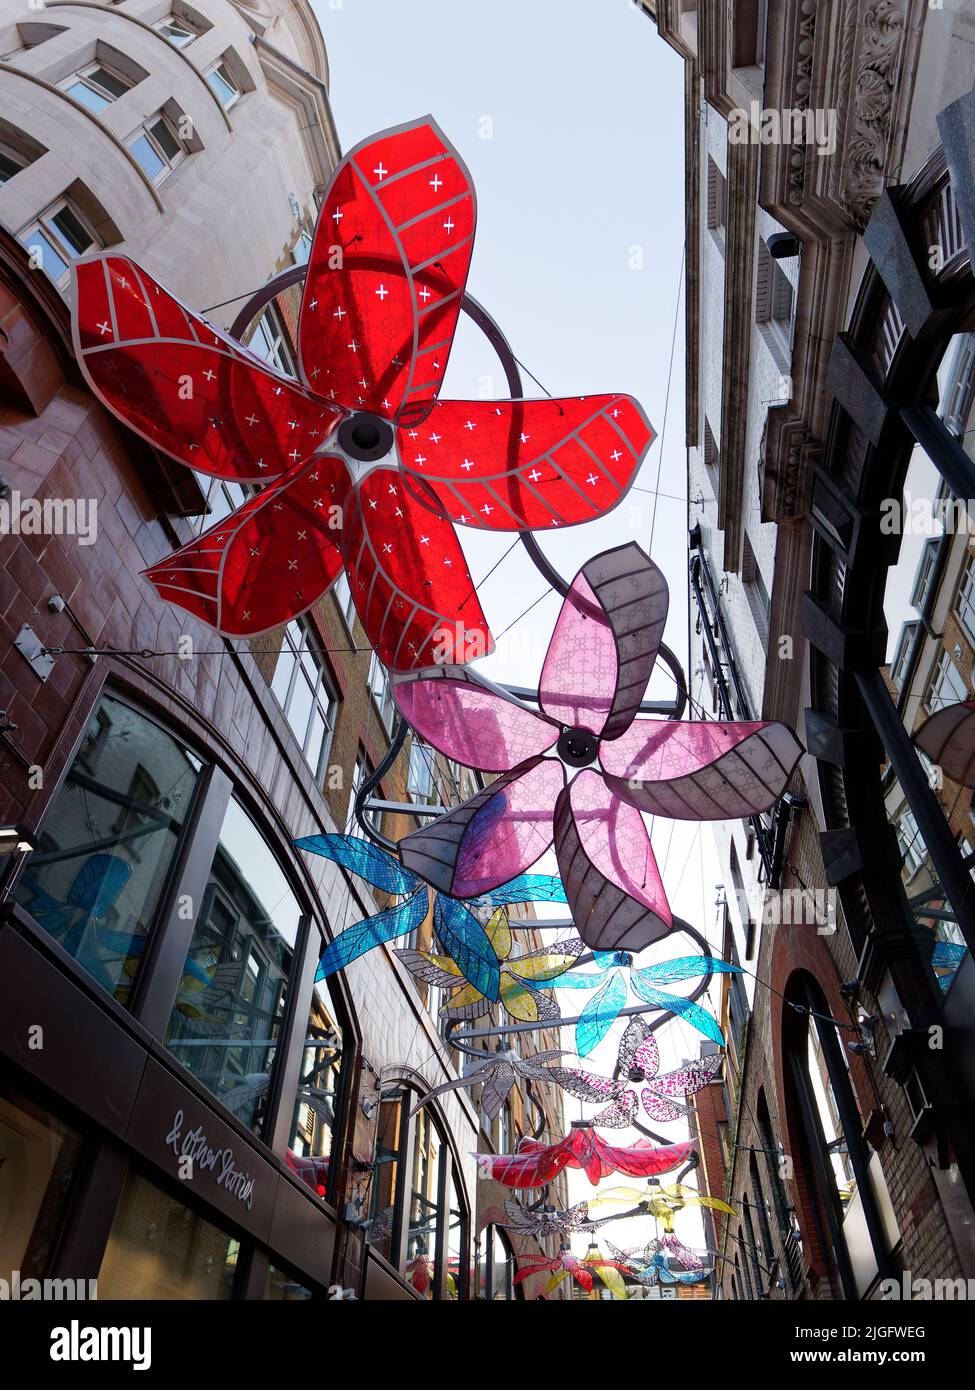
417,1214
108,843
38,1158
317,1102
281,1286
161,1248
225,1023
496,1267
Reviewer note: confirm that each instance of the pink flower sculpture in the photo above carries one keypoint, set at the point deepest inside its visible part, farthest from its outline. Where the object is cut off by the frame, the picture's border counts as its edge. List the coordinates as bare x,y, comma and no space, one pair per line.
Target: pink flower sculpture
533,1164
638,1061
360,464
581,771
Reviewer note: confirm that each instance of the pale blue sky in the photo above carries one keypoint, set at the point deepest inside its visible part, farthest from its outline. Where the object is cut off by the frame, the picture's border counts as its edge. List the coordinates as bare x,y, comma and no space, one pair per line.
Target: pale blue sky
583,172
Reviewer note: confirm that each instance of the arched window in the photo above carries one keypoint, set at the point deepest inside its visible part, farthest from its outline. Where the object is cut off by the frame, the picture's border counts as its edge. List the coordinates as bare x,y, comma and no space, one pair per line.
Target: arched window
833,1160
420,1218
496,1266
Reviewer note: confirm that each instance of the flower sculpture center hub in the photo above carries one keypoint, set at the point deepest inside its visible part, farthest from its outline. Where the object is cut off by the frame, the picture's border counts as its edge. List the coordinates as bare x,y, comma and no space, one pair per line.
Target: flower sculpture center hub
578,747
637,1074
366,436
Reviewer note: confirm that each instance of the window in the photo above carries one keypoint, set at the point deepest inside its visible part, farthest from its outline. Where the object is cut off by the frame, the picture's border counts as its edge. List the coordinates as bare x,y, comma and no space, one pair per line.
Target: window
925,573
227,1016
304,692
910,843
109,841
360,773
774,306
301,250
179,31
946,686
902,656
342,593
382,692
223,84
496,1267
755,591
965,602
419,781
161,1248
284,1287
712,454
96,87
59,236
157,148
717,192
38,1159
419,1219
11,164
317,1102
269,341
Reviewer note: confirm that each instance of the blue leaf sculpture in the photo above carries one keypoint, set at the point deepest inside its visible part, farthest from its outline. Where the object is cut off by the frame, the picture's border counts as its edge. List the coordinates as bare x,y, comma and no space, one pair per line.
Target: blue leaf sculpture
356,940
360,857
466,942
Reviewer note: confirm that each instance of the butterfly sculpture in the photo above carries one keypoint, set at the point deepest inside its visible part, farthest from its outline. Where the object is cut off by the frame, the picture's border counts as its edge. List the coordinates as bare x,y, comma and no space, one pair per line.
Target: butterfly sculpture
460,932
361,465
638,1061
651,1266
567,1266
580,771
534,1163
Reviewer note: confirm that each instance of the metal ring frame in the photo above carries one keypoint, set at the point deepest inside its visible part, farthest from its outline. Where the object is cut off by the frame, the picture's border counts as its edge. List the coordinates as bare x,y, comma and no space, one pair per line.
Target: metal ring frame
259,300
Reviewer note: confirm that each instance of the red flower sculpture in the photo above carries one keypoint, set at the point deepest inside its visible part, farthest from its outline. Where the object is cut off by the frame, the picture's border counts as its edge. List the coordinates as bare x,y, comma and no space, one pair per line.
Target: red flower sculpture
581,771
535,1163
363,465
567,1266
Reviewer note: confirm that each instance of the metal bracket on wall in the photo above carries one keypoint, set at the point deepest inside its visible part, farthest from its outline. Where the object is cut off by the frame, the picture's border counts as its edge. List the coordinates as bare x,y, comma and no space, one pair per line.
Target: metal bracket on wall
34,652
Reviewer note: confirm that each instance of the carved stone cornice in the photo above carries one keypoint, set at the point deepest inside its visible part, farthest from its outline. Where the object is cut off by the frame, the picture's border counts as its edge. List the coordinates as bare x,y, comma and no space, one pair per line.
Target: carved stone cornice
856,58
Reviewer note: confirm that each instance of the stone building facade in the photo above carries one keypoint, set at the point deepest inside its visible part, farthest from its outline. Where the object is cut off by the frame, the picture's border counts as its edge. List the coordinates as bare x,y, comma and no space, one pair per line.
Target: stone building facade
165,916
826,183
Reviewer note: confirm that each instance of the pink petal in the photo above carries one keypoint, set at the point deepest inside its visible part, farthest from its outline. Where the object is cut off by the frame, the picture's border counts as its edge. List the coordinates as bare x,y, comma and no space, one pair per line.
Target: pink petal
948,739
620,1114
660,1110
401,210
270,561
605,642
701,770
185,386
409,579
647,1057
610,875
529,465
491,838
470,722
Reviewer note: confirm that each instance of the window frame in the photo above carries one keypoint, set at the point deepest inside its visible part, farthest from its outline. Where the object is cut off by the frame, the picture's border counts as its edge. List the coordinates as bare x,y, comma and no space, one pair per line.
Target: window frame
40,226
228,78
180,22
943,673
169,162
382,699
327,710
84,75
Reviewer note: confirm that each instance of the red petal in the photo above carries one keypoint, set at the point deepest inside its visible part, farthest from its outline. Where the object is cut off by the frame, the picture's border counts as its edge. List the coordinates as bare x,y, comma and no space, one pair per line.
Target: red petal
608,868
410,581
387,272
270,561
701,769
185,386
528,465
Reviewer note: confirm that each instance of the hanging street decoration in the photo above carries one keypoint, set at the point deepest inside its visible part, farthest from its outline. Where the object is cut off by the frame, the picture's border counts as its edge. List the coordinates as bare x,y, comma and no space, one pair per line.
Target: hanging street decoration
460,932
580,772
522,977
533,1163
615,969
544,1221
662,1203
639,1061
948,739
497,1073
650,1266
361,466
567,1266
